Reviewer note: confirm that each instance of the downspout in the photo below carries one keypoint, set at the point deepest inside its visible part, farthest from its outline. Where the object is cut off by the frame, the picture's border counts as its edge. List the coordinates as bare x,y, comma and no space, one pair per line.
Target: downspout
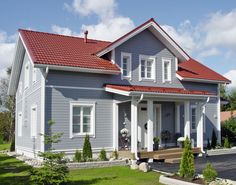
136,130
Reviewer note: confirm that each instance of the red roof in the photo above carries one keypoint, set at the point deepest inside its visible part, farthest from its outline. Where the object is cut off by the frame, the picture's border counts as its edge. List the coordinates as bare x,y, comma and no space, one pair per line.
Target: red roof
135,88
196,70
54,49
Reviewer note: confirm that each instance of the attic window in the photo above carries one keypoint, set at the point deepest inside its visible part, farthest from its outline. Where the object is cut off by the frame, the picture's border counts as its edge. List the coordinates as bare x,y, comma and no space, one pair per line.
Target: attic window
126,65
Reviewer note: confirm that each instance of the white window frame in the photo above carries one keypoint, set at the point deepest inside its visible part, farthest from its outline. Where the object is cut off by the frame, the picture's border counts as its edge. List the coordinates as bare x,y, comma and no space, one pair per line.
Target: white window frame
34,75
26,76
33,127
83,103
129,65
19,124
166,60
191,118
153,71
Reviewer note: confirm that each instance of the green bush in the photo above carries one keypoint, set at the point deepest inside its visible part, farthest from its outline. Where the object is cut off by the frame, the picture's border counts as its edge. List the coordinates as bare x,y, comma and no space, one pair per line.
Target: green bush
187,168
213,139
78,156
226,143
209,173
87,150
115,154
228,129
103,155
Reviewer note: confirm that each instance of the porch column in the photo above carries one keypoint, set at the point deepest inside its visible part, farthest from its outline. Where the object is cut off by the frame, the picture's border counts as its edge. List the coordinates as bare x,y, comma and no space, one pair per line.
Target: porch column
177,118
200,113
150,125
186,119
134,126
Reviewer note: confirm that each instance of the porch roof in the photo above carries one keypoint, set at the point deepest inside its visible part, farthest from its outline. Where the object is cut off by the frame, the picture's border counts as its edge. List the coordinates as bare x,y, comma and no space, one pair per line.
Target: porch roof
135,89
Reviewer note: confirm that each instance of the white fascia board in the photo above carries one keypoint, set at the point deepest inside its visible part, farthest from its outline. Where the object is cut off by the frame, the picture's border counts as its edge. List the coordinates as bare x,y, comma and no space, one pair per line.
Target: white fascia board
157,28
199,80
77,69
111,90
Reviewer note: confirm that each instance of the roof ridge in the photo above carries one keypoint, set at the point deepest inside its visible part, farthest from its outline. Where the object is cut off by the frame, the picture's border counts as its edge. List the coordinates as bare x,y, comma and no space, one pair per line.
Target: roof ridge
61,35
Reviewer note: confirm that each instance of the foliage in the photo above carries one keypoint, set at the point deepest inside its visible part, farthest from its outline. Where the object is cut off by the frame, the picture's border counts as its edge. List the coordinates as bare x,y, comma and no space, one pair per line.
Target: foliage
229,95
5,126
115,154
228,129
187,168
209,173
54,170
1,139
5,146
78,156
208,144
156,140
226,143
103,155
87,149
213,139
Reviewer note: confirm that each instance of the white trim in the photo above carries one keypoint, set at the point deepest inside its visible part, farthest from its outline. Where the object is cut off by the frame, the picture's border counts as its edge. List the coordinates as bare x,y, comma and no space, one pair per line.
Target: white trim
116,91
113,56
165,60
115,115
26,75
153,71
129,65
28,94
92,129
108,149
176,64
150,118
134,125
158,29
19,124
187,119
43,82
199,125
74,87
33,122
77,69
218,115
193,107
199,80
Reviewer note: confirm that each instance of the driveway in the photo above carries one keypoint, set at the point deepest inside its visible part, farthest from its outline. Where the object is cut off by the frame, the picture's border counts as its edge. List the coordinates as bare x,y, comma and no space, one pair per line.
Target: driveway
225,165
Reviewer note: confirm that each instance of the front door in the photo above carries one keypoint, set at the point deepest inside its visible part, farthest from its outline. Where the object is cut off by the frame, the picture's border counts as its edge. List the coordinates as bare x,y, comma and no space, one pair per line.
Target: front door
142,127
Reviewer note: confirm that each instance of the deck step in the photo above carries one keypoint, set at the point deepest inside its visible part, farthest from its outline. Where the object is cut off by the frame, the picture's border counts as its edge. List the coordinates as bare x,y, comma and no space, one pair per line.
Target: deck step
173,160
168,155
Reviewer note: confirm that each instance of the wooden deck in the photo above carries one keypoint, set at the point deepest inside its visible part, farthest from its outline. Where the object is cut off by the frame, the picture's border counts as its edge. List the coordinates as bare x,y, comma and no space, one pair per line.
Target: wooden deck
171,155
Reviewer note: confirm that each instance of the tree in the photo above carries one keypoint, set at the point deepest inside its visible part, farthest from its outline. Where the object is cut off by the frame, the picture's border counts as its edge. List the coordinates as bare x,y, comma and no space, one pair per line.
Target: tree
187,167
228,130
232,99
87,149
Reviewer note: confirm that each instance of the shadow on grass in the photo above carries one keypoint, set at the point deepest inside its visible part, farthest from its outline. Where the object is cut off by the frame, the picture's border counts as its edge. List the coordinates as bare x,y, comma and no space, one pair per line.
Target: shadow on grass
15,180
90,181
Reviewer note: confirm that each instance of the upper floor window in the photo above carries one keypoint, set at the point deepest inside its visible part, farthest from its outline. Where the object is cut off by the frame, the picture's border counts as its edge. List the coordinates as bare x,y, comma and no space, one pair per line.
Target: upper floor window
34,75
82,118
166,70
147,68
26,79
193,118
126,65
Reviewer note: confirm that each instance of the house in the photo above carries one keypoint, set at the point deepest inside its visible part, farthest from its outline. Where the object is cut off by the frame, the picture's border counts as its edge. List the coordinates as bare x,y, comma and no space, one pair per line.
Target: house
143,82
226,115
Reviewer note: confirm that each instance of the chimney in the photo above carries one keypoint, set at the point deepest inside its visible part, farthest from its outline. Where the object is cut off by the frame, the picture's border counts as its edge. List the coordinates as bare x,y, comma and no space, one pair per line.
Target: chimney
86,36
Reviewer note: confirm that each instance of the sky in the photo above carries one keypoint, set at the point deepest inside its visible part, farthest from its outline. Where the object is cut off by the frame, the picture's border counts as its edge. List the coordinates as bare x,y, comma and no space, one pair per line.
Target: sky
205,29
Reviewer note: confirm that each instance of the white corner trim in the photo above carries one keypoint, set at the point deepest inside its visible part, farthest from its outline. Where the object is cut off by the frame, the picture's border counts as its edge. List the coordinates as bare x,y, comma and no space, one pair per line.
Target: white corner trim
129,55
113,56
43,82
176,64
115,126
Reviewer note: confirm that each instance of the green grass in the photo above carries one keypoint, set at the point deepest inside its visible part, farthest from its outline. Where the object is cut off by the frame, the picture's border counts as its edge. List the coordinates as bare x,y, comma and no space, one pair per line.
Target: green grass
14,172
5,146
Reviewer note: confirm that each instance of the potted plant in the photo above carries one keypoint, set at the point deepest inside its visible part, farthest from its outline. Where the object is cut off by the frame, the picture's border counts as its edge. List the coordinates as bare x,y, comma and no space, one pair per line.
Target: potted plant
156,141
181,141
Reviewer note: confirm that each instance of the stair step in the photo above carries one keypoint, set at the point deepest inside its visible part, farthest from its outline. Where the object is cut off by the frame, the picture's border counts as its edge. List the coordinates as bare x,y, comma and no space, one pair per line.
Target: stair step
168,156
173,160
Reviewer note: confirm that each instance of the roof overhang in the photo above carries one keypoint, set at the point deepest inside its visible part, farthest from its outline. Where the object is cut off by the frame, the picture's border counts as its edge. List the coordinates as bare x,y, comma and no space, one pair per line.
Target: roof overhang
157,31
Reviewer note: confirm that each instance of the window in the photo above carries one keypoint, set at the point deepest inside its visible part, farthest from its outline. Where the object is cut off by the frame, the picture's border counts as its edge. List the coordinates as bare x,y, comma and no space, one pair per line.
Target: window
166,70
193,118
34,75
82,118
19,124
34,121
147,68
26,75
126,65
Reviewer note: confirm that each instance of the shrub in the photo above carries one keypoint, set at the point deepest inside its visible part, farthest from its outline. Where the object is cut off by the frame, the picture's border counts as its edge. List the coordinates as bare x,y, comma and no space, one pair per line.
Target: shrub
54,170
213,139
209,173
78,156
226,143
87,150
115,154
208,144
187,168
228,129
103,155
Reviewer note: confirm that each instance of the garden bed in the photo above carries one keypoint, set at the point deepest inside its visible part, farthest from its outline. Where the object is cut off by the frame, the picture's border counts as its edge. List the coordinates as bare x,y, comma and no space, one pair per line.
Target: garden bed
176,180
97,164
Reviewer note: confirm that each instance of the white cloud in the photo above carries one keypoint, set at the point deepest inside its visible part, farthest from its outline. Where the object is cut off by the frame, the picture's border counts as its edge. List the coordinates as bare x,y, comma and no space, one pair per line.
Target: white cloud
231,75
110,26
7,47
62,30
210,52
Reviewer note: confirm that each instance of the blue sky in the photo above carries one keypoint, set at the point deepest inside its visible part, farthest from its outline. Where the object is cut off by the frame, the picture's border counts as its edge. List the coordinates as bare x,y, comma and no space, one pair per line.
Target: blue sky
206,29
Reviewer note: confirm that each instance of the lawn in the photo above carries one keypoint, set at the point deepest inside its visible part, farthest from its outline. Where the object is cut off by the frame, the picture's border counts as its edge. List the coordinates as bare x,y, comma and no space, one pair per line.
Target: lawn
5,146
14,172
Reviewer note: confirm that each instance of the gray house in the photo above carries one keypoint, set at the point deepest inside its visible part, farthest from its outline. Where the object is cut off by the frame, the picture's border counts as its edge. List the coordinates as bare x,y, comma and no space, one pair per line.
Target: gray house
122,93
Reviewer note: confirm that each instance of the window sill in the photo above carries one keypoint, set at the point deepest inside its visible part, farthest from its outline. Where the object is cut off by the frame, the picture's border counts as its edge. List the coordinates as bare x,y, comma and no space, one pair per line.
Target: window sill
167,82
126,78
147,79
82,135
